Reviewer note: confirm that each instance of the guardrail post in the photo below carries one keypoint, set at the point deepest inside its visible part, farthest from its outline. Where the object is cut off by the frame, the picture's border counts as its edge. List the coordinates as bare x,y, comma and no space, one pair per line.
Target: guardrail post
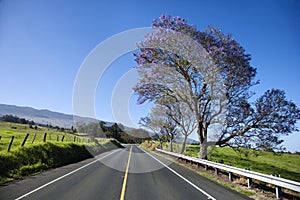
278,192
216,171
249,182
11,142
230,176
63,137
278,189
23,143
205,167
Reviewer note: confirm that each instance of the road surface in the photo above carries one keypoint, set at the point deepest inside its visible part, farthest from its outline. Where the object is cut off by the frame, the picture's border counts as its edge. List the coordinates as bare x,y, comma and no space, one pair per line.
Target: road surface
129,173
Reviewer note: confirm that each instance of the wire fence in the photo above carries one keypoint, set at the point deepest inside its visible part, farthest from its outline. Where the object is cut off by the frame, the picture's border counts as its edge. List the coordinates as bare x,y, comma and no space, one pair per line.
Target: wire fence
20,140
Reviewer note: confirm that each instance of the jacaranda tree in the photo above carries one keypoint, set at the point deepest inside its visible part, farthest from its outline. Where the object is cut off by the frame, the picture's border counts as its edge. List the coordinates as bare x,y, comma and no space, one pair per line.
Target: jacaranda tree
210,73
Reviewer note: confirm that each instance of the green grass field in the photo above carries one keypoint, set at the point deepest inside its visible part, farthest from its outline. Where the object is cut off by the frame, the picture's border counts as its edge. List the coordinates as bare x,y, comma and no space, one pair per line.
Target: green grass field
287,165
38,156
19,131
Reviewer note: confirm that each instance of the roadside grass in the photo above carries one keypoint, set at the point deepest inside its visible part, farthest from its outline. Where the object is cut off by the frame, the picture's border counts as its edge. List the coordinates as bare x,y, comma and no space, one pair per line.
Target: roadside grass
225,184
285,164
41,156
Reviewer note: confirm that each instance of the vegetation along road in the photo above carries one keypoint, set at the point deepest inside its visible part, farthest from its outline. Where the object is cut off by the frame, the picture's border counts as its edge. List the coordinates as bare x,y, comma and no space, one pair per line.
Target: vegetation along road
119,174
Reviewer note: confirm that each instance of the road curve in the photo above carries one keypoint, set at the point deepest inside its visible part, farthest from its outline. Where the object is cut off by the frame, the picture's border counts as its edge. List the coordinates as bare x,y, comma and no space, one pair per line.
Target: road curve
120,174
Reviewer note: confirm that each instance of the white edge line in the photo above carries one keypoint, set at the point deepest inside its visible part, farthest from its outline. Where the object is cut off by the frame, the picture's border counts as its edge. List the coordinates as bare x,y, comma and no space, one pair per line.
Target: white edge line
57,179
189,182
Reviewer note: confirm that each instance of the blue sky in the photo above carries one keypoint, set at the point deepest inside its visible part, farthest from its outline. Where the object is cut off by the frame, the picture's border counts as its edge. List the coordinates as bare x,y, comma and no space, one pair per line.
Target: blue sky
43,44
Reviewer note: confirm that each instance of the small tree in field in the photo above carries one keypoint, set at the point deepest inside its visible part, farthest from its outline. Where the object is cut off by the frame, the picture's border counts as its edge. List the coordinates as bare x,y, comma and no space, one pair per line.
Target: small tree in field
211,74
180,115
155,125
162,125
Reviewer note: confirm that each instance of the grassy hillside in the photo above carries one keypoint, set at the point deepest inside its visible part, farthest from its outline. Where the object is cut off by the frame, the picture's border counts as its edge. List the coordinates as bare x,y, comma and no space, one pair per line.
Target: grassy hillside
38,156
287,165
19,131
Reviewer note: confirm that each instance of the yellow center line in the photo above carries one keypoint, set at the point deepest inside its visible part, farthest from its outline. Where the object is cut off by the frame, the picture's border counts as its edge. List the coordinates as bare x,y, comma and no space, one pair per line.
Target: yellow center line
125,177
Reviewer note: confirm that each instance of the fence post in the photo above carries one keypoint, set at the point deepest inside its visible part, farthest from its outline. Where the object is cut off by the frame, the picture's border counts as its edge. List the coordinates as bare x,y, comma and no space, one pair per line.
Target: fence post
33,138
63,137
23,143
57,138
0,137
45,136
75,138
11,142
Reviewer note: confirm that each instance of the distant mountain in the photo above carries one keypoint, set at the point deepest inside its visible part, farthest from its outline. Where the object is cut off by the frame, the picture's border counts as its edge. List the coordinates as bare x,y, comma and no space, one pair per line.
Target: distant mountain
180,139
43,116
55,118
189,140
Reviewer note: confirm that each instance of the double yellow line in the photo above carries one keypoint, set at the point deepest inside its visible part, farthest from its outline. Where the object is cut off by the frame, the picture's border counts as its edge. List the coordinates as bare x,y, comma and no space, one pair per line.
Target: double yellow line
126,176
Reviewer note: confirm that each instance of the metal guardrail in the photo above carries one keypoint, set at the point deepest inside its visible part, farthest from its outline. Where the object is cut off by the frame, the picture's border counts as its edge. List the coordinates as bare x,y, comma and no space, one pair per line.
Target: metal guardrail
277,181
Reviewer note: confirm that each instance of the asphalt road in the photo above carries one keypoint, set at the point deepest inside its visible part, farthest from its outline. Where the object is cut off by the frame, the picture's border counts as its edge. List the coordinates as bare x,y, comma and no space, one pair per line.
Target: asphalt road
129,173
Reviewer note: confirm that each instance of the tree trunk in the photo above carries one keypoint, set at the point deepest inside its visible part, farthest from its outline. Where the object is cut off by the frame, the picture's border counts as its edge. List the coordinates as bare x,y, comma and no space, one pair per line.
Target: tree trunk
203,149
203,142
161,144
171,145
183,144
